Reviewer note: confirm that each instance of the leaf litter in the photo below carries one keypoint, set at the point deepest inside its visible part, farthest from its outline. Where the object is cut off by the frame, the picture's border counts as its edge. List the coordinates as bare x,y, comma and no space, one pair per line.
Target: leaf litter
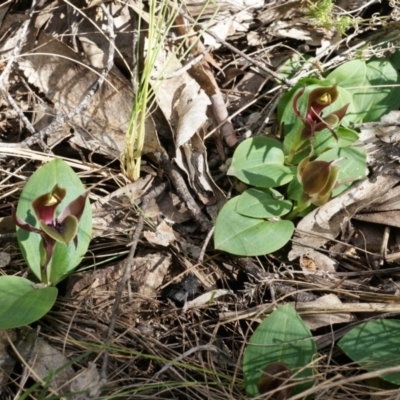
112,324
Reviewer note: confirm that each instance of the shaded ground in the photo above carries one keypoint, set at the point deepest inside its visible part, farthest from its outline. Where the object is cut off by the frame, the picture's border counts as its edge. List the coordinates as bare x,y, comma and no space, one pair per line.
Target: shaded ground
137,317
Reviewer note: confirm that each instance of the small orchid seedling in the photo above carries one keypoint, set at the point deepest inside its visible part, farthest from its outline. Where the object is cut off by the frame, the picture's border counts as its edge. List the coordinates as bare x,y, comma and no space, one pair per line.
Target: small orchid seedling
54,225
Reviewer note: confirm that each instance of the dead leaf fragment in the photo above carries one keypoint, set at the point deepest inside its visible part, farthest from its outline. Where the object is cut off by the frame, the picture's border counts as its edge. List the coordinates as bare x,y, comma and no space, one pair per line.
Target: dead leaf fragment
87,380
149,273
313,261
319,320
208,298
163,236
324,223
191,108
56,70
46,362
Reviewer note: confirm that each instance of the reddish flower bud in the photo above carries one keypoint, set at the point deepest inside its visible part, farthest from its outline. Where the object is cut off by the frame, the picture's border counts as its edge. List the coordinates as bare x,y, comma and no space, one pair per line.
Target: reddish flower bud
318,179
274,376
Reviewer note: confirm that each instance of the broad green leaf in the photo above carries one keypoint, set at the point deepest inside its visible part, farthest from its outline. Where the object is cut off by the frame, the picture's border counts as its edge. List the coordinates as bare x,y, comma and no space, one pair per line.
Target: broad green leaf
259,161
377,94
350,74
353,166
65,258
22,303
245,236
295,189
262,203
374,345
385,99
324,139
282,337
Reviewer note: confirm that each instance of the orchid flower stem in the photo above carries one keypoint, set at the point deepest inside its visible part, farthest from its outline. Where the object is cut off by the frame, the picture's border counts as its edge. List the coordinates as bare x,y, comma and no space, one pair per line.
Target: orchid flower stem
44,277
301,206
293,214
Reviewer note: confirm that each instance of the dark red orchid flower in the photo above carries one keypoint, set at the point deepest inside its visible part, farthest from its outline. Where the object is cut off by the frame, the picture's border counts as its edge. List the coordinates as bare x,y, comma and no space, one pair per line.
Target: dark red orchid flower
275,381
52,230
318,100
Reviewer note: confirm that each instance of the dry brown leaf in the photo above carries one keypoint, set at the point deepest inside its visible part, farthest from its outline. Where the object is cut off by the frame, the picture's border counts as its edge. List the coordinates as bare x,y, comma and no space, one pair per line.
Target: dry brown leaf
191,108
313,261
387,129
7,362
289,20
183,103
45,360
249,87
208,298
324,223
150,271
173,208
53,68
109,212
86,380
96,56
385,211
319,320
162,236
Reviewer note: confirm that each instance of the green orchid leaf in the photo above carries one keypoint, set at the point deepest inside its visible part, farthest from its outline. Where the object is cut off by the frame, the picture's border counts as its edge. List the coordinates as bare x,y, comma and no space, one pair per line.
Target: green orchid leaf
65,257
262,203
395,59
22,303
295,190
325,141
385,99
259,162
373,86
245,236
280,338
350,74
374,346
